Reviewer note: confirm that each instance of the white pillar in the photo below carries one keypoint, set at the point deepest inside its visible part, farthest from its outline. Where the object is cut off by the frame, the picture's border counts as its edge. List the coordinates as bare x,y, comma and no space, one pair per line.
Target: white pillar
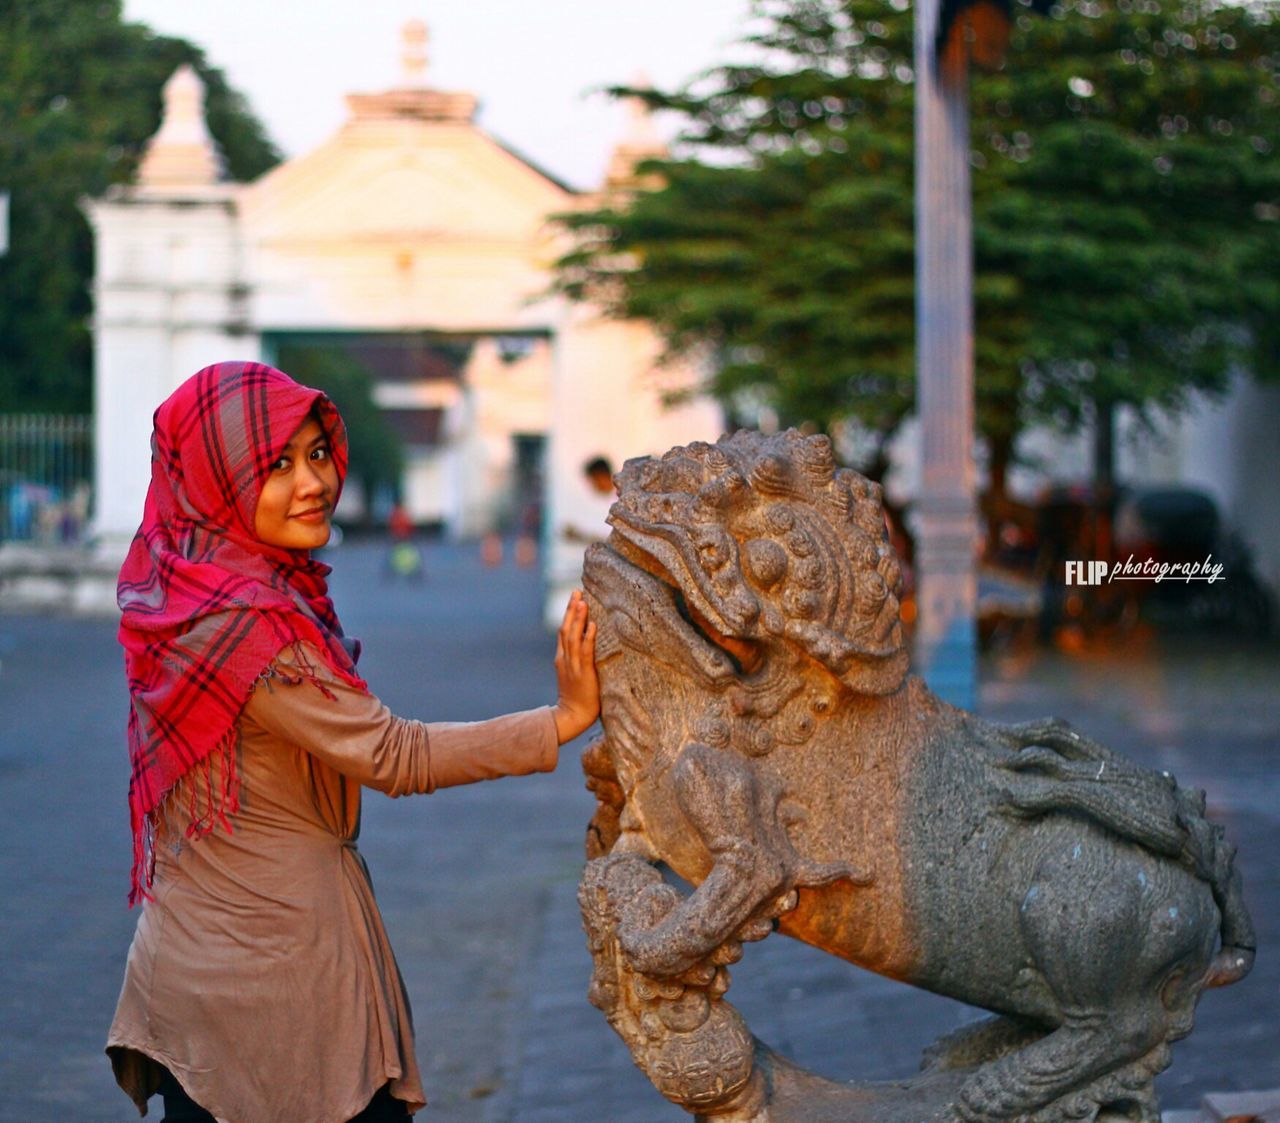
947,526
169,299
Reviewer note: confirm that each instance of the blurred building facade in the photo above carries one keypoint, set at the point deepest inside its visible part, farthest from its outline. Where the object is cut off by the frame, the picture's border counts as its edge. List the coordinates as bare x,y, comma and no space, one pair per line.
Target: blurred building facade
420,245
413,242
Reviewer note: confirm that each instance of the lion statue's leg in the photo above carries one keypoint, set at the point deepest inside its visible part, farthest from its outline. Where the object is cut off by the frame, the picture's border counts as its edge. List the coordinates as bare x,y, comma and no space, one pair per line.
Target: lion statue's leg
694,1046
1070,1074
602,782
753,877
1124,961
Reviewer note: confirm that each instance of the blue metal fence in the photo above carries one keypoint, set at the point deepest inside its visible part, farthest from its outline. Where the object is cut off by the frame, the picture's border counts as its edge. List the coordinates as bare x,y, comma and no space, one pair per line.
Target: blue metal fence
46,474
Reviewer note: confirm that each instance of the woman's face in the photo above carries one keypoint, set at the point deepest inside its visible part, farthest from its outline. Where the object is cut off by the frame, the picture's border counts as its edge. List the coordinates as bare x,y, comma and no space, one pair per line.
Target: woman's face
297,500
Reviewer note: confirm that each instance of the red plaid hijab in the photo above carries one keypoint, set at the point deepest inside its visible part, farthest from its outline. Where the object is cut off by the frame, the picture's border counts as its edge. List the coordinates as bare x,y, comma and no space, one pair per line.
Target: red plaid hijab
206,605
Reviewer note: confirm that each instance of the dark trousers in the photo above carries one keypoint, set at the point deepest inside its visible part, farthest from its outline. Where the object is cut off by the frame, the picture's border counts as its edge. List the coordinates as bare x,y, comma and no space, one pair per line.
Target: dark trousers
181,1108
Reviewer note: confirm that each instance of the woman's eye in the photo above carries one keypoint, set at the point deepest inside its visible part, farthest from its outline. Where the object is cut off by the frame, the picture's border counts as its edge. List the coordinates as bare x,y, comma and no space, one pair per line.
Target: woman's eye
321,453
281,464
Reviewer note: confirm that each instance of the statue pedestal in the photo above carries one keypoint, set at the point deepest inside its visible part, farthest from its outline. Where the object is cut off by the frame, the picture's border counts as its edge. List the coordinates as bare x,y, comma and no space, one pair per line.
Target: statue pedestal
797,1096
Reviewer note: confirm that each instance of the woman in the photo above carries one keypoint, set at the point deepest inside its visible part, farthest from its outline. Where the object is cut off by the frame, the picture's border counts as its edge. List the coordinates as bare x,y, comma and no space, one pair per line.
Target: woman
260,987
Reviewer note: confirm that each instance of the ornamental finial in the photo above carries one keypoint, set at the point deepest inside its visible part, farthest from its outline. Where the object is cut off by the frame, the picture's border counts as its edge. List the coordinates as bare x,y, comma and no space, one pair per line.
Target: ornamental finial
413,55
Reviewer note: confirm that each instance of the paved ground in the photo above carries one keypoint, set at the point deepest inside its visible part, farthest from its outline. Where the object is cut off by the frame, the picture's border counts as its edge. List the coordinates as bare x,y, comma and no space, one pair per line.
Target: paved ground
477,885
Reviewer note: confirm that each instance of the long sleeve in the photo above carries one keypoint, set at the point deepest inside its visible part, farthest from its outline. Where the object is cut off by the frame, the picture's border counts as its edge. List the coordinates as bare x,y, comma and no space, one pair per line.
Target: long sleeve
355,734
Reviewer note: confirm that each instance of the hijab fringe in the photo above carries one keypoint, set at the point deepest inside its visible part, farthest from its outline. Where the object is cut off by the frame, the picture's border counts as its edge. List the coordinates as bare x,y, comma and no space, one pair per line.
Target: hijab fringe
306,671
214,809
209,802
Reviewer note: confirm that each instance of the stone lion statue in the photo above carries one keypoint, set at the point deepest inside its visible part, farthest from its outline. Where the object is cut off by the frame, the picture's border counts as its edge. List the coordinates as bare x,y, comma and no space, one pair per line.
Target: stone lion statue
765,742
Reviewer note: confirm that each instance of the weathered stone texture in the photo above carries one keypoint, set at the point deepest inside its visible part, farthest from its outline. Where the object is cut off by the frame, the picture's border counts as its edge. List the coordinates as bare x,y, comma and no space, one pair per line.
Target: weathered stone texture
765,742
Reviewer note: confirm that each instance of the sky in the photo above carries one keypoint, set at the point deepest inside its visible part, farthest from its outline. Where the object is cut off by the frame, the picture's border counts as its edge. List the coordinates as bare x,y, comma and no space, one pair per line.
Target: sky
532,64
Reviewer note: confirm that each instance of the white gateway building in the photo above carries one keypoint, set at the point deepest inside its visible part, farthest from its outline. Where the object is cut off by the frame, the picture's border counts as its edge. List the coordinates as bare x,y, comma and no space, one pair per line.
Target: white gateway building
414,243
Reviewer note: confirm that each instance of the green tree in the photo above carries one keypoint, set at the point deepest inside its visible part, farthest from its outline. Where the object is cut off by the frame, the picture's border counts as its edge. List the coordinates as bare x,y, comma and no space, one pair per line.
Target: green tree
1125,215
80,94
758,247
1135,218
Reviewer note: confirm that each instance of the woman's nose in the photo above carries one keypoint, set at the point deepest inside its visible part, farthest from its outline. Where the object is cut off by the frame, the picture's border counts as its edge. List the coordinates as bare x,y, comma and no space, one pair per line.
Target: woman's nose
310,482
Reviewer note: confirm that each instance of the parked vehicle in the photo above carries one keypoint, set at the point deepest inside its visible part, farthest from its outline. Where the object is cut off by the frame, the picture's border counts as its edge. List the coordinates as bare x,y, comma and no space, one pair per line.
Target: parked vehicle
1181,526
1147,527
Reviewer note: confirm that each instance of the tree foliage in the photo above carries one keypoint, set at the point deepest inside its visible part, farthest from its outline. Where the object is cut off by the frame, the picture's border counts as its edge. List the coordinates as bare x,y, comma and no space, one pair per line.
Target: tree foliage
80,94
1126,199
1135,209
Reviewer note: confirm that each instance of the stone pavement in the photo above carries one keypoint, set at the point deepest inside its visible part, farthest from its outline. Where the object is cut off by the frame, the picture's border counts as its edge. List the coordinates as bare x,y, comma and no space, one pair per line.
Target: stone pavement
477,884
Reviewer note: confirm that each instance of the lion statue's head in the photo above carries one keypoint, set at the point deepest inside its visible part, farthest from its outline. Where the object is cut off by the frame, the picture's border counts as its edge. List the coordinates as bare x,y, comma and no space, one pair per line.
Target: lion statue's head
766,542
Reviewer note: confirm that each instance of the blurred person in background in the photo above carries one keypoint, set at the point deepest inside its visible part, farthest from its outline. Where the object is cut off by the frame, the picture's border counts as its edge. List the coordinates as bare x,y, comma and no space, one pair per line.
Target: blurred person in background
598,473
404,556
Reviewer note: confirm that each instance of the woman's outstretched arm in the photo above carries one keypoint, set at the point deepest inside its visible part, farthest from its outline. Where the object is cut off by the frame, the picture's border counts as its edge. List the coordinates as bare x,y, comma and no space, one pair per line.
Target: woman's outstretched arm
304,703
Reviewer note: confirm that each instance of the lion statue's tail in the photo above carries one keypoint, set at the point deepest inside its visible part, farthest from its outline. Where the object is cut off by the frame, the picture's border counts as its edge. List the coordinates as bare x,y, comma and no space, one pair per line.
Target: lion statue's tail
1239,942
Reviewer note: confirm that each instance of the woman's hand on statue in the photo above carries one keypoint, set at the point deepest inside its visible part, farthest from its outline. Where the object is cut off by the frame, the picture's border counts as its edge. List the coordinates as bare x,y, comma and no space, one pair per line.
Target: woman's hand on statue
579,702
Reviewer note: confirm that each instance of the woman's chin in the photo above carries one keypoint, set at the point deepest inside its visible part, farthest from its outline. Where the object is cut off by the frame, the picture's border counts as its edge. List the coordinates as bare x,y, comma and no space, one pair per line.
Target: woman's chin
317,537
298,536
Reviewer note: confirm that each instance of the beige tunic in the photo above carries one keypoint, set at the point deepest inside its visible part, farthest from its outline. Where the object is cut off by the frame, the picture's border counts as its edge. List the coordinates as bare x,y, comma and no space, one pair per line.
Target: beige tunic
260,974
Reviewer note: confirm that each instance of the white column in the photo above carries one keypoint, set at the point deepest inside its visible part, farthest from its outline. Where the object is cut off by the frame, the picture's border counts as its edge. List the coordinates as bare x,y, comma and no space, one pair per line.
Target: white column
947,526
169,299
